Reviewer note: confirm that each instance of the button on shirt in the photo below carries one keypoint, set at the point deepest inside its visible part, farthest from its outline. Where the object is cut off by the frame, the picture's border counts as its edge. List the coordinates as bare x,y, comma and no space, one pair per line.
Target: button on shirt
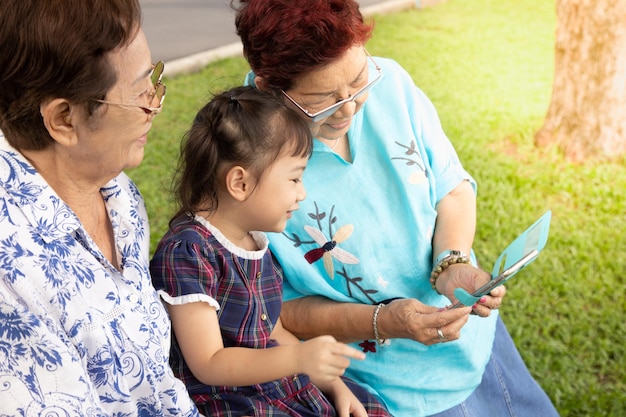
76,334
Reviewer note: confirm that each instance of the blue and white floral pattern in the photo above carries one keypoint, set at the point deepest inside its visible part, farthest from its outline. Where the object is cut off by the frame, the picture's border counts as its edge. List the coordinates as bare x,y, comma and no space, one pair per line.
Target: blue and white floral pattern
77,336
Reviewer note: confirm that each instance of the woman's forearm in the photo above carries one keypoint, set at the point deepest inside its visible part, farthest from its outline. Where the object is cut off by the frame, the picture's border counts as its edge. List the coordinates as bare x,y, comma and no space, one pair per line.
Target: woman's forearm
405,318
456,220
312,316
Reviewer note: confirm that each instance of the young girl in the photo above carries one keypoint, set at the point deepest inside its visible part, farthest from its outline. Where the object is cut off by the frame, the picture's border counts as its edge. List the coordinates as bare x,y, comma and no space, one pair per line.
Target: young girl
240,173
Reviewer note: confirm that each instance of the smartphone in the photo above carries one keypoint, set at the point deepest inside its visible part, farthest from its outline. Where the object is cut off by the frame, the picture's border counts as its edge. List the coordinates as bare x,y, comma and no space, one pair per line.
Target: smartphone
500,279
522,251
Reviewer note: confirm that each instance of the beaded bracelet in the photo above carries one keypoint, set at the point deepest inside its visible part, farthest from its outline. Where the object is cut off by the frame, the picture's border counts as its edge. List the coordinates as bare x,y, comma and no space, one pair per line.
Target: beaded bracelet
449,258
375,323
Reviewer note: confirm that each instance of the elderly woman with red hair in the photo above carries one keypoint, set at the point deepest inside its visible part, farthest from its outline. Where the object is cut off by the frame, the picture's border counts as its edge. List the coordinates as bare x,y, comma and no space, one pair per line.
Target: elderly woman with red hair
385,236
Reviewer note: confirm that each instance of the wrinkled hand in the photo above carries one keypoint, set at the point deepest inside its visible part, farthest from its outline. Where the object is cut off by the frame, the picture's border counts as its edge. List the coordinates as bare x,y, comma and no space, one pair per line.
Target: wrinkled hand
408,318
470,278
324,359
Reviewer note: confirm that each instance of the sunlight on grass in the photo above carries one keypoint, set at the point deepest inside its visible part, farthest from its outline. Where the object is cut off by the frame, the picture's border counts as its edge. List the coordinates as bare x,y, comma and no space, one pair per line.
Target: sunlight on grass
487,66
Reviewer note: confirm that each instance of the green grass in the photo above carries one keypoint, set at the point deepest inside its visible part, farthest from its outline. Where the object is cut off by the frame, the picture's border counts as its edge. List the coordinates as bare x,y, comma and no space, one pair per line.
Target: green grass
487,65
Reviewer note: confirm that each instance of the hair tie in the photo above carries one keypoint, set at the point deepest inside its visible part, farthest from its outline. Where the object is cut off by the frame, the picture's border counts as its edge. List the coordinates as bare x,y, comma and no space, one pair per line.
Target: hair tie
234,101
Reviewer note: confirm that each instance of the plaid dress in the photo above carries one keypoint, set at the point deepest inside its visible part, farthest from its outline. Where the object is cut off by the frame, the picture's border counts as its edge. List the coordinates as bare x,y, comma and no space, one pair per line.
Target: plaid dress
195,262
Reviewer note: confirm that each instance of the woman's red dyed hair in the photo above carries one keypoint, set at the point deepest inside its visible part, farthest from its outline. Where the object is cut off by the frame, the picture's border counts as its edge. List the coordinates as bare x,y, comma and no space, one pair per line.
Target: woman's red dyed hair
284,39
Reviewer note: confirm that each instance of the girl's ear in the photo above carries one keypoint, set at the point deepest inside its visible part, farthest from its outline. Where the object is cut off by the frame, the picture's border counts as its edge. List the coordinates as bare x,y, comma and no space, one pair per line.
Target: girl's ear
239,183
59,119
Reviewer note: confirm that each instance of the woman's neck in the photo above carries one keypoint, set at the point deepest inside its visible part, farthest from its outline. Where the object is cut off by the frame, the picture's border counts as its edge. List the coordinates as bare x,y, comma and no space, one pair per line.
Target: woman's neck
74,185
82,195
340,146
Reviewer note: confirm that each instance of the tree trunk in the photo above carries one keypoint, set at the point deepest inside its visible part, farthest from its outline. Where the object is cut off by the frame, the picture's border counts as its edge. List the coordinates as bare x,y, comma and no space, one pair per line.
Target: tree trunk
587,115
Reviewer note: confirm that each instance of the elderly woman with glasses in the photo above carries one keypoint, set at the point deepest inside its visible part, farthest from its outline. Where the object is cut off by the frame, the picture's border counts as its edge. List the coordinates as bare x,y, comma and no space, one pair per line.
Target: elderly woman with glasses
385,235
82,331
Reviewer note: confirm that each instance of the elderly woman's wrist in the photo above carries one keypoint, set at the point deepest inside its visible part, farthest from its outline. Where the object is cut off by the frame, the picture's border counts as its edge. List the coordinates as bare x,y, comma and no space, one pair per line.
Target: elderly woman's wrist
375,324
443,262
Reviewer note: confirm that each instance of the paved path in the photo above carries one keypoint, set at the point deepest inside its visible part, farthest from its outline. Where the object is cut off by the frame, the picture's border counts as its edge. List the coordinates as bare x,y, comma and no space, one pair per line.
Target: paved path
188,34
179,28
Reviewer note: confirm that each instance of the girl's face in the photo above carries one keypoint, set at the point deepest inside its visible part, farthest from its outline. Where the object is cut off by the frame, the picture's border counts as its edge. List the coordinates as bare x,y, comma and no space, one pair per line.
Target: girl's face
277,194
326,86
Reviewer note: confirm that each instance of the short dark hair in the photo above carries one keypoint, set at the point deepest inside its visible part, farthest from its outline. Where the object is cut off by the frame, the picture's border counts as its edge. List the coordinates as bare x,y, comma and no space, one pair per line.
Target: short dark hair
242,126
57,48
285,39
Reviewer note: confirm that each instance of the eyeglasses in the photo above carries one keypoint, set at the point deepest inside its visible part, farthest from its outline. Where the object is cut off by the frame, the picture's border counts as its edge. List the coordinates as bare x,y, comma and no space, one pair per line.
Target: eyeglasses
158,93
329,111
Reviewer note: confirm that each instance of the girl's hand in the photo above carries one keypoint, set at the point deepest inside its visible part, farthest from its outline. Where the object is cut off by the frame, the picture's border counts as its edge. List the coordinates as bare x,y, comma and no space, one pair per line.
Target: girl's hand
324,359
345,402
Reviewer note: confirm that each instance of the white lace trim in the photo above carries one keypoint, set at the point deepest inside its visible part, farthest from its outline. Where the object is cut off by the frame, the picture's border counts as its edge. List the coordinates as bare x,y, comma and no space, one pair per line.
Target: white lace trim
259,237
189,298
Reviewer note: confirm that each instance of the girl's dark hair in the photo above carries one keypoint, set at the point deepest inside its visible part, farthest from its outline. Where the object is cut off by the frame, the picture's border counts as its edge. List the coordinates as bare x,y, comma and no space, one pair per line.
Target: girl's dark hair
242,126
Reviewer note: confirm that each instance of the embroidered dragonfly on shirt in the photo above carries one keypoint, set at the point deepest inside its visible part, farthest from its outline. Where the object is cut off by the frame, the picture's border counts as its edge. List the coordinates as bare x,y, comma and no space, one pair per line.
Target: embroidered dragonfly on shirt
328,248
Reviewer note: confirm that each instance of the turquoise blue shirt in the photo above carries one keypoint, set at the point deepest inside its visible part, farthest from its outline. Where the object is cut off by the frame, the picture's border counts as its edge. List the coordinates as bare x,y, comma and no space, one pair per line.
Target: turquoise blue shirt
380,212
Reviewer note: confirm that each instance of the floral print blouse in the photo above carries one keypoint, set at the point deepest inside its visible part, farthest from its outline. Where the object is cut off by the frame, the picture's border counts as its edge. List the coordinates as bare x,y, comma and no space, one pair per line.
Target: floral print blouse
78,336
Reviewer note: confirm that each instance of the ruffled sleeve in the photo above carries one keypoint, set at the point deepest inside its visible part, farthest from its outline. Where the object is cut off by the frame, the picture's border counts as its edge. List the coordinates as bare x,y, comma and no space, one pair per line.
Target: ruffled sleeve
184,271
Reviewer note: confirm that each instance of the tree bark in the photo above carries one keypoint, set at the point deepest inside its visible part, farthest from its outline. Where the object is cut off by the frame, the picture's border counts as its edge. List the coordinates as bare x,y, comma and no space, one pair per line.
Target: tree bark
586,118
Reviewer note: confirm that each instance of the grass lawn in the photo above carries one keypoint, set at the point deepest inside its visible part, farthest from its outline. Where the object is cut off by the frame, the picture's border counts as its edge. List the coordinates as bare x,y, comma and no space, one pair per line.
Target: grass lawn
487,65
